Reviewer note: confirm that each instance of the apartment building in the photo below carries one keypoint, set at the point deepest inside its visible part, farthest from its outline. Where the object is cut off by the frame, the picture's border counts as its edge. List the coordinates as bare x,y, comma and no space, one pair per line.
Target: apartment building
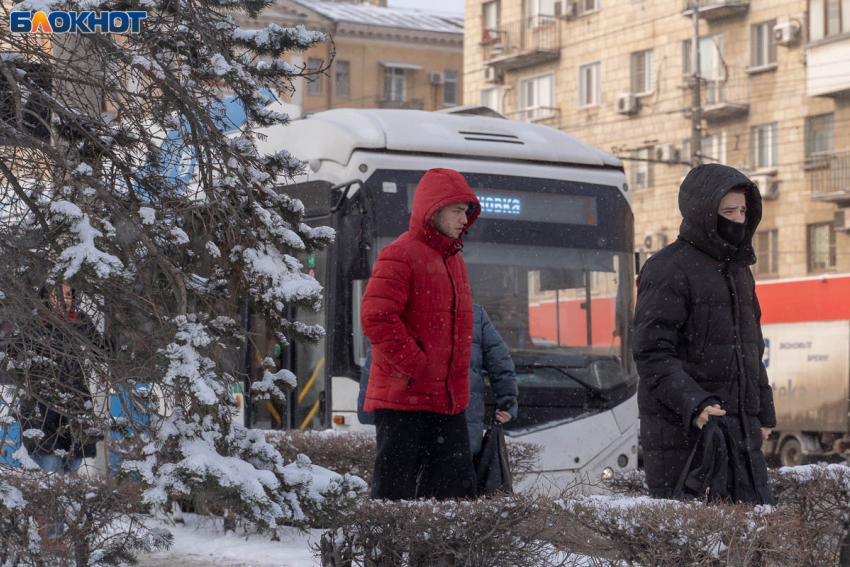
775,101
379,57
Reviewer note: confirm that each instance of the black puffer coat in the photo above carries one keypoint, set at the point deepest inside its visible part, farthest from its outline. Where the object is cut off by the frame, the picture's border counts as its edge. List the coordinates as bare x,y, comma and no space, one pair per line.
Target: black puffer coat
60,391
698,338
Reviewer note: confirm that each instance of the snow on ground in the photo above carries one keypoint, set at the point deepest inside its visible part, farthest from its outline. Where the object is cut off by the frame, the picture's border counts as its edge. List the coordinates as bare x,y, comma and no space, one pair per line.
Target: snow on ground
200,543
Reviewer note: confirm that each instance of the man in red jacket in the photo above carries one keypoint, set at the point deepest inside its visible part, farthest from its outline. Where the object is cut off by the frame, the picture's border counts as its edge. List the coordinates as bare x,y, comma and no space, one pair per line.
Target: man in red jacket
417,313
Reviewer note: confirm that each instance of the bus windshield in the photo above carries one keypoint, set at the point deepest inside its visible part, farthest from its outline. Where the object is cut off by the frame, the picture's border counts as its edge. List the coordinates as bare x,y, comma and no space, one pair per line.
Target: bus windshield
551,262
548,299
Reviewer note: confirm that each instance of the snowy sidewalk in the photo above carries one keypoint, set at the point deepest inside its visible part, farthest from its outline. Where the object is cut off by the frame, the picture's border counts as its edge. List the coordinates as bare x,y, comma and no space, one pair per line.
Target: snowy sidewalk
200,543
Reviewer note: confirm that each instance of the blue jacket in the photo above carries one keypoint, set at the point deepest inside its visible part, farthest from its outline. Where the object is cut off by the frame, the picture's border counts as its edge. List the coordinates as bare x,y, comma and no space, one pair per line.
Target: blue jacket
490,354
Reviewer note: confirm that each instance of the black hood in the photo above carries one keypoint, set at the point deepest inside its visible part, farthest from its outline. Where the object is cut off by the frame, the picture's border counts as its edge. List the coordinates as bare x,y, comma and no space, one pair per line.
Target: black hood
699,198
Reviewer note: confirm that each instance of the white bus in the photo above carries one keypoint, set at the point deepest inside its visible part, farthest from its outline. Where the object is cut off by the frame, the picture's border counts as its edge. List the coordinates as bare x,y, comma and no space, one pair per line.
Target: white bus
550,259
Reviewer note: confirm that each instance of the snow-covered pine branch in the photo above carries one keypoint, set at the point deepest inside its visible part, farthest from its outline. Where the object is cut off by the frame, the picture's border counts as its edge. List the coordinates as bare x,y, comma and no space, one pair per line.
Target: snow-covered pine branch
121,176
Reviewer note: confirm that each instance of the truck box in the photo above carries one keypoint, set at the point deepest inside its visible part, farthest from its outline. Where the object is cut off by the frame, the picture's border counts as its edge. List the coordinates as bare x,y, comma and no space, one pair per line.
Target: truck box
808,365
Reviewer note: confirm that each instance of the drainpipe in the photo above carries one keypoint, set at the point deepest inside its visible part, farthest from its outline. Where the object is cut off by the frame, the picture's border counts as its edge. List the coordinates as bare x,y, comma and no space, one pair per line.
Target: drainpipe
504,93
331,78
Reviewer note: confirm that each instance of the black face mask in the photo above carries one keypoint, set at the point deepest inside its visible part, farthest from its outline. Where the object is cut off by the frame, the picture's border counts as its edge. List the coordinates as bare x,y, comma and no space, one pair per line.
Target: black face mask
732,232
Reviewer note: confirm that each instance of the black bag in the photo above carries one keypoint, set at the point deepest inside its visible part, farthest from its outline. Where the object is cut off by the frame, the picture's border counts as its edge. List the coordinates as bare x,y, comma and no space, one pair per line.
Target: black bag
707,472
716,470
492,467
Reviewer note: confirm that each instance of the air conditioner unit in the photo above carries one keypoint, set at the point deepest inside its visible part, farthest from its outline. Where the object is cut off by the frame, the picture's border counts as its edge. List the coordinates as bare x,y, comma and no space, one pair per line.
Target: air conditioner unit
492,75
842,219
767,185
436,78
654,241
668,153
627,103
787,33
566,9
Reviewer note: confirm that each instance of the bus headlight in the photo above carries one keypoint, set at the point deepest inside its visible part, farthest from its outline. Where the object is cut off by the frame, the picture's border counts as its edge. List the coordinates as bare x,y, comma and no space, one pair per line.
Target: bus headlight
622,461
607,473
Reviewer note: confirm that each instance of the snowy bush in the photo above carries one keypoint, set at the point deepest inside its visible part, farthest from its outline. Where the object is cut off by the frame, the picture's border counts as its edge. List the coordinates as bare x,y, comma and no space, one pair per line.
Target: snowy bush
354,452
499,532
645,531
70,520
807,527
820,495
816,495
341,452
169,266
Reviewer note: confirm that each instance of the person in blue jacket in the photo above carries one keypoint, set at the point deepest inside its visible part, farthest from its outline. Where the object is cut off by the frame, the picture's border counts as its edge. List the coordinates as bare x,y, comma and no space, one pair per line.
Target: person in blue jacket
489,353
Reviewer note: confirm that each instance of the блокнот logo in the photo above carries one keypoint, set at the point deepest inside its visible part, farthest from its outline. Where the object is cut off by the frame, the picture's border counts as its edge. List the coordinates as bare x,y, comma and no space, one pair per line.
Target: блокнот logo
82,22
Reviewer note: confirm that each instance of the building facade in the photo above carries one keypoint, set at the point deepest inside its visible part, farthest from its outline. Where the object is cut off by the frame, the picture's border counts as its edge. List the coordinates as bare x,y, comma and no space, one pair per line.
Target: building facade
775,99
378,57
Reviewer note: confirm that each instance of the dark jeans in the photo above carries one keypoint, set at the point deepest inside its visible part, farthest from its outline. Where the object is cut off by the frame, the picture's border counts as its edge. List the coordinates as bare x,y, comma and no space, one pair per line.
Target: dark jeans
422,454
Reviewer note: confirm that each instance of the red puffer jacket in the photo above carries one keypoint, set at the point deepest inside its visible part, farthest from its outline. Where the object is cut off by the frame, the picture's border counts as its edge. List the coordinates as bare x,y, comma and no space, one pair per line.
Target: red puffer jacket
417,309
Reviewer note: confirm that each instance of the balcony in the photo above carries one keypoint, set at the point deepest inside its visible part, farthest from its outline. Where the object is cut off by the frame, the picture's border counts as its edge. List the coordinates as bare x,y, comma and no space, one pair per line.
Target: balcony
828,67
714,10
406,104
829,175
722,98
525,43
545,115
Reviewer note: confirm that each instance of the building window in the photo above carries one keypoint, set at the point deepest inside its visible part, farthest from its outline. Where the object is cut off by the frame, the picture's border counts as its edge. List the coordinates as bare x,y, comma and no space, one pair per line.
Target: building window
36,112
710,57
712,147
543,9
641,168
819,133
643,72
762,44
450,88
764,141
588,6
828,18
394,83
821,245
314,78
491,98
536,96
342,79
490,18
767,252
589,83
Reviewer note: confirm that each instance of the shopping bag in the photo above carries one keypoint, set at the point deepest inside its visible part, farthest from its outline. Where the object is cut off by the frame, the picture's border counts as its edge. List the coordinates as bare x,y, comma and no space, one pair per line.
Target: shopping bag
492,467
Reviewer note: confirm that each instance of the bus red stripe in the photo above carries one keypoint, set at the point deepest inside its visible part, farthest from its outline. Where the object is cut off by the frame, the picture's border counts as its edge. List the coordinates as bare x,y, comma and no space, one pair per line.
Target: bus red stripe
805,300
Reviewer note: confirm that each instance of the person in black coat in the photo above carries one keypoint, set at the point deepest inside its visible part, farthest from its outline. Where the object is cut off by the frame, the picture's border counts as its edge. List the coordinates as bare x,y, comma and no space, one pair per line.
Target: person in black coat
698,343
53,419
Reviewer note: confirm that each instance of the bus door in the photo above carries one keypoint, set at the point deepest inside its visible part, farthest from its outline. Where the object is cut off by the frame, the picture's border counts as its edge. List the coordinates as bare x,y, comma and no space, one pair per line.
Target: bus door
305,407
352,254
344,208
309,361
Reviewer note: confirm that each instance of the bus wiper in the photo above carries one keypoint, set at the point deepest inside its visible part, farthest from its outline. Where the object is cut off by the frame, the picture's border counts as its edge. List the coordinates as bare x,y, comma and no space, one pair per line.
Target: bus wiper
570,375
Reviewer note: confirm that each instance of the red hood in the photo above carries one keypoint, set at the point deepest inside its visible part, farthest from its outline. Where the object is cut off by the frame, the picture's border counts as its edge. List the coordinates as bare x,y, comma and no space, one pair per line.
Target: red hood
436,189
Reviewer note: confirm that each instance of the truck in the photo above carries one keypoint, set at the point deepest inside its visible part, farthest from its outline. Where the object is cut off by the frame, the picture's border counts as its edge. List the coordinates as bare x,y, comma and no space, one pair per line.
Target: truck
806,329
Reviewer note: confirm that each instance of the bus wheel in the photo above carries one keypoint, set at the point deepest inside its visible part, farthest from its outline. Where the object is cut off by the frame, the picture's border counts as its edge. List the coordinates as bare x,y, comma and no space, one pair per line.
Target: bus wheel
791,454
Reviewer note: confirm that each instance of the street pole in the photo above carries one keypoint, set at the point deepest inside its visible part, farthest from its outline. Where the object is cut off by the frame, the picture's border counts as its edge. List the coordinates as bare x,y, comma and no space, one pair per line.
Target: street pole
696,110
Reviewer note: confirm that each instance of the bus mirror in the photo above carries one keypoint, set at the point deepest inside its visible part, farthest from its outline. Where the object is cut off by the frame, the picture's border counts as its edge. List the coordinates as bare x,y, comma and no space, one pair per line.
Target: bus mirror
345,189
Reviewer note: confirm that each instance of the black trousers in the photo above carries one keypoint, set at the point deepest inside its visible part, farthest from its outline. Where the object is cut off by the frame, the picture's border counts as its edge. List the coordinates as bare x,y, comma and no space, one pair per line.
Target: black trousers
422,454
